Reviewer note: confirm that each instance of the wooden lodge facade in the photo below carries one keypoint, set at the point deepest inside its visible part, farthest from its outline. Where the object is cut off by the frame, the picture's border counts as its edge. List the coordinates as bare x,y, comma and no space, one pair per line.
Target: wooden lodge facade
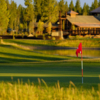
74,24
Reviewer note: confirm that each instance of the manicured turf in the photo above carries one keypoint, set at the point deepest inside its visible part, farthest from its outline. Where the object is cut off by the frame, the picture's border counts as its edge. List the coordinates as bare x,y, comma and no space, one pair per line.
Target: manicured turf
86,42
50,72
21,64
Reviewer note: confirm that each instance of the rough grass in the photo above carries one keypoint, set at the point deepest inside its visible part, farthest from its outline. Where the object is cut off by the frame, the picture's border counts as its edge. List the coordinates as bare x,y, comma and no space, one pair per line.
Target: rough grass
29,91
67,43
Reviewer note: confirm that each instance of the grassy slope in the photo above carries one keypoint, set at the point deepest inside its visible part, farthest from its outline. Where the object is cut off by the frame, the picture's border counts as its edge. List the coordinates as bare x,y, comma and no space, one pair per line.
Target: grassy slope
11,54
68,42
31,65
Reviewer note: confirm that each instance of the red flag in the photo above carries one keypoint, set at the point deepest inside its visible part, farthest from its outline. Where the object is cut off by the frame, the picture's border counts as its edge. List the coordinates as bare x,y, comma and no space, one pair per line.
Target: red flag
79,49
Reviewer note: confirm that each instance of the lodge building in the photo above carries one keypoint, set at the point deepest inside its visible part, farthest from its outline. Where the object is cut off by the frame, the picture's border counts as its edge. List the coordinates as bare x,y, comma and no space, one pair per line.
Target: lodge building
74,24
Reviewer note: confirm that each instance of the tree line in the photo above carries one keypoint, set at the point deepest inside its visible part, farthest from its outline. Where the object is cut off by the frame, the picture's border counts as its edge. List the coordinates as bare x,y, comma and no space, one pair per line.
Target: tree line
19,17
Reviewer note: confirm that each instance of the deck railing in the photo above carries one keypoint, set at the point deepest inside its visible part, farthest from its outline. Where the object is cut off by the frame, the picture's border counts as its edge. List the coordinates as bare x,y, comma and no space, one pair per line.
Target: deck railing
83,32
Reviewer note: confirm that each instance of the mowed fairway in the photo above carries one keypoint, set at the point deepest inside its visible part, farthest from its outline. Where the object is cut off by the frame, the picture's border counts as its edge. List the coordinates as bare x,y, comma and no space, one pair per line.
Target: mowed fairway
16,63
50,72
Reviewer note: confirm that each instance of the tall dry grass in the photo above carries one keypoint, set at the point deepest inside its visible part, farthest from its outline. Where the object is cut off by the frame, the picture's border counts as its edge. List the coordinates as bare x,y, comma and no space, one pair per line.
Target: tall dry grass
28,91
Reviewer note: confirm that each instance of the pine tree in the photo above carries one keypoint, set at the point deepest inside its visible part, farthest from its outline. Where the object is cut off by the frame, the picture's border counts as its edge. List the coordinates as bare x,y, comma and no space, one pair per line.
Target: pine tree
78,7
85,12
46,10
19,16
99,4
37,9
62,7
31,27
13,15
49,28
92,7
88,9
7,1
40,27
95,4
44,7
52,11
19,13
49,11
4,16
29,12
71,5
66,6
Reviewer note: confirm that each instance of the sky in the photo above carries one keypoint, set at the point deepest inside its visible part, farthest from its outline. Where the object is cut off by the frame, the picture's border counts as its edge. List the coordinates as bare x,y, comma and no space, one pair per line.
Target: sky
89,2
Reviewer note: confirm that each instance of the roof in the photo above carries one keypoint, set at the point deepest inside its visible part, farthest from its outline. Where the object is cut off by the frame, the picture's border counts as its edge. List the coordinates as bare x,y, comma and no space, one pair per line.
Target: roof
84,21
88,25
97,10
72,12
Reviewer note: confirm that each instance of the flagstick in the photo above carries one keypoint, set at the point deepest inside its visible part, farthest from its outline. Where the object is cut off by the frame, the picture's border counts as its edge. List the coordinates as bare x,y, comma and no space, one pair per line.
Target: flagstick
82,67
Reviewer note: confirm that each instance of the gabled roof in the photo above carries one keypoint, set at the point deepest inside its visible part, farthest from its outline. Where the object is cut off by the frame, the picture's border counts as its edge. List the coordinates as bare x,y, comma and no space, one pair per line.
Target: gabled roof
88,25
97,10
84,21
72,12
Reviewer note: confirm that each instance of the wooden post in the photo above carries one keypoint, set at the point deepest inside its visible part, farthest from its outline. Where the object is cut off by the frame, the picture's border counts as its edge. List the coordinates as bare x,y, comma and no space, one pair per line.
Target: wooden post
60,21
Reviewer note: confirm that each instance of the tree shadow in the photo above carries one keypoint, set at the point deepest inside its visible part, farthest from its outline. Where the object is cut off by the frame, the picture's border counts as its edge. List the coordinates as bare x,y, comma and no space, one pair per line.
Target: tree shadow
32,57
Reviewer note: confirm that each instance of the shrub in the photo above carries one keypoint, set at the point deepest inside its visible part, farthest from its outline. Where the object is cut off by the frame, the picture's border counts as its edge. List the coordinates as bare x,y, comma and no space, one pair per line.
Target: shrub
53,38
44,37
49,37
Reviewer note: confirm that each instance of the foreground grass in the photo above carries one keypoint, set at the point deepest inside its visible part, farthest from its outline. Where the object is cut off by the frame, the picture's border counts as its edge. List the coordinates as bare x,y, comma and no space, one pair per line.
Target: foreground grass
20,91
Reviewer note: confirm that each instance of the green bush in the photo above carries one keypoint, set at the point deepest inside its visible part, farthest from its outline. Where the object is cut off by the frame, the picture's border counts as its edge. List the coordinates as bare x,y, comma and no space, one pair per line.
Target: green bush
53,38
49,37
44,37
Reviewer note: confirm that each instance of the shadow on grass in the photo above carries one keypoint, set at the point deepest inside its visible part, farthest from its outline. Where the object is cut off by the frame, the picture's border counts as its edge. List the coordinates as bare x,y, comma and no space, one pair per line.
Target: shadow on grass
11,60
33,57
29,44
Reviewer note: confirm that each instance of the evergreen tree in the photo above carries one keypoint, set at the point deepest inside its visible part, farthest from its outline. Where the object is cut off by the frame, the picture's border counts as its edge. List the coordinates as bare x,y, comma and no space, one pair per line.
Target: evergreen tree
4,16
71,5
46,10
7,1
85,12
13,15
37,9
40,27
66,6
62,7
88,9
19,17
19,13
52,11
29,12
31,27
78,7
99,4
49,28
95,4
92,7
44,7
